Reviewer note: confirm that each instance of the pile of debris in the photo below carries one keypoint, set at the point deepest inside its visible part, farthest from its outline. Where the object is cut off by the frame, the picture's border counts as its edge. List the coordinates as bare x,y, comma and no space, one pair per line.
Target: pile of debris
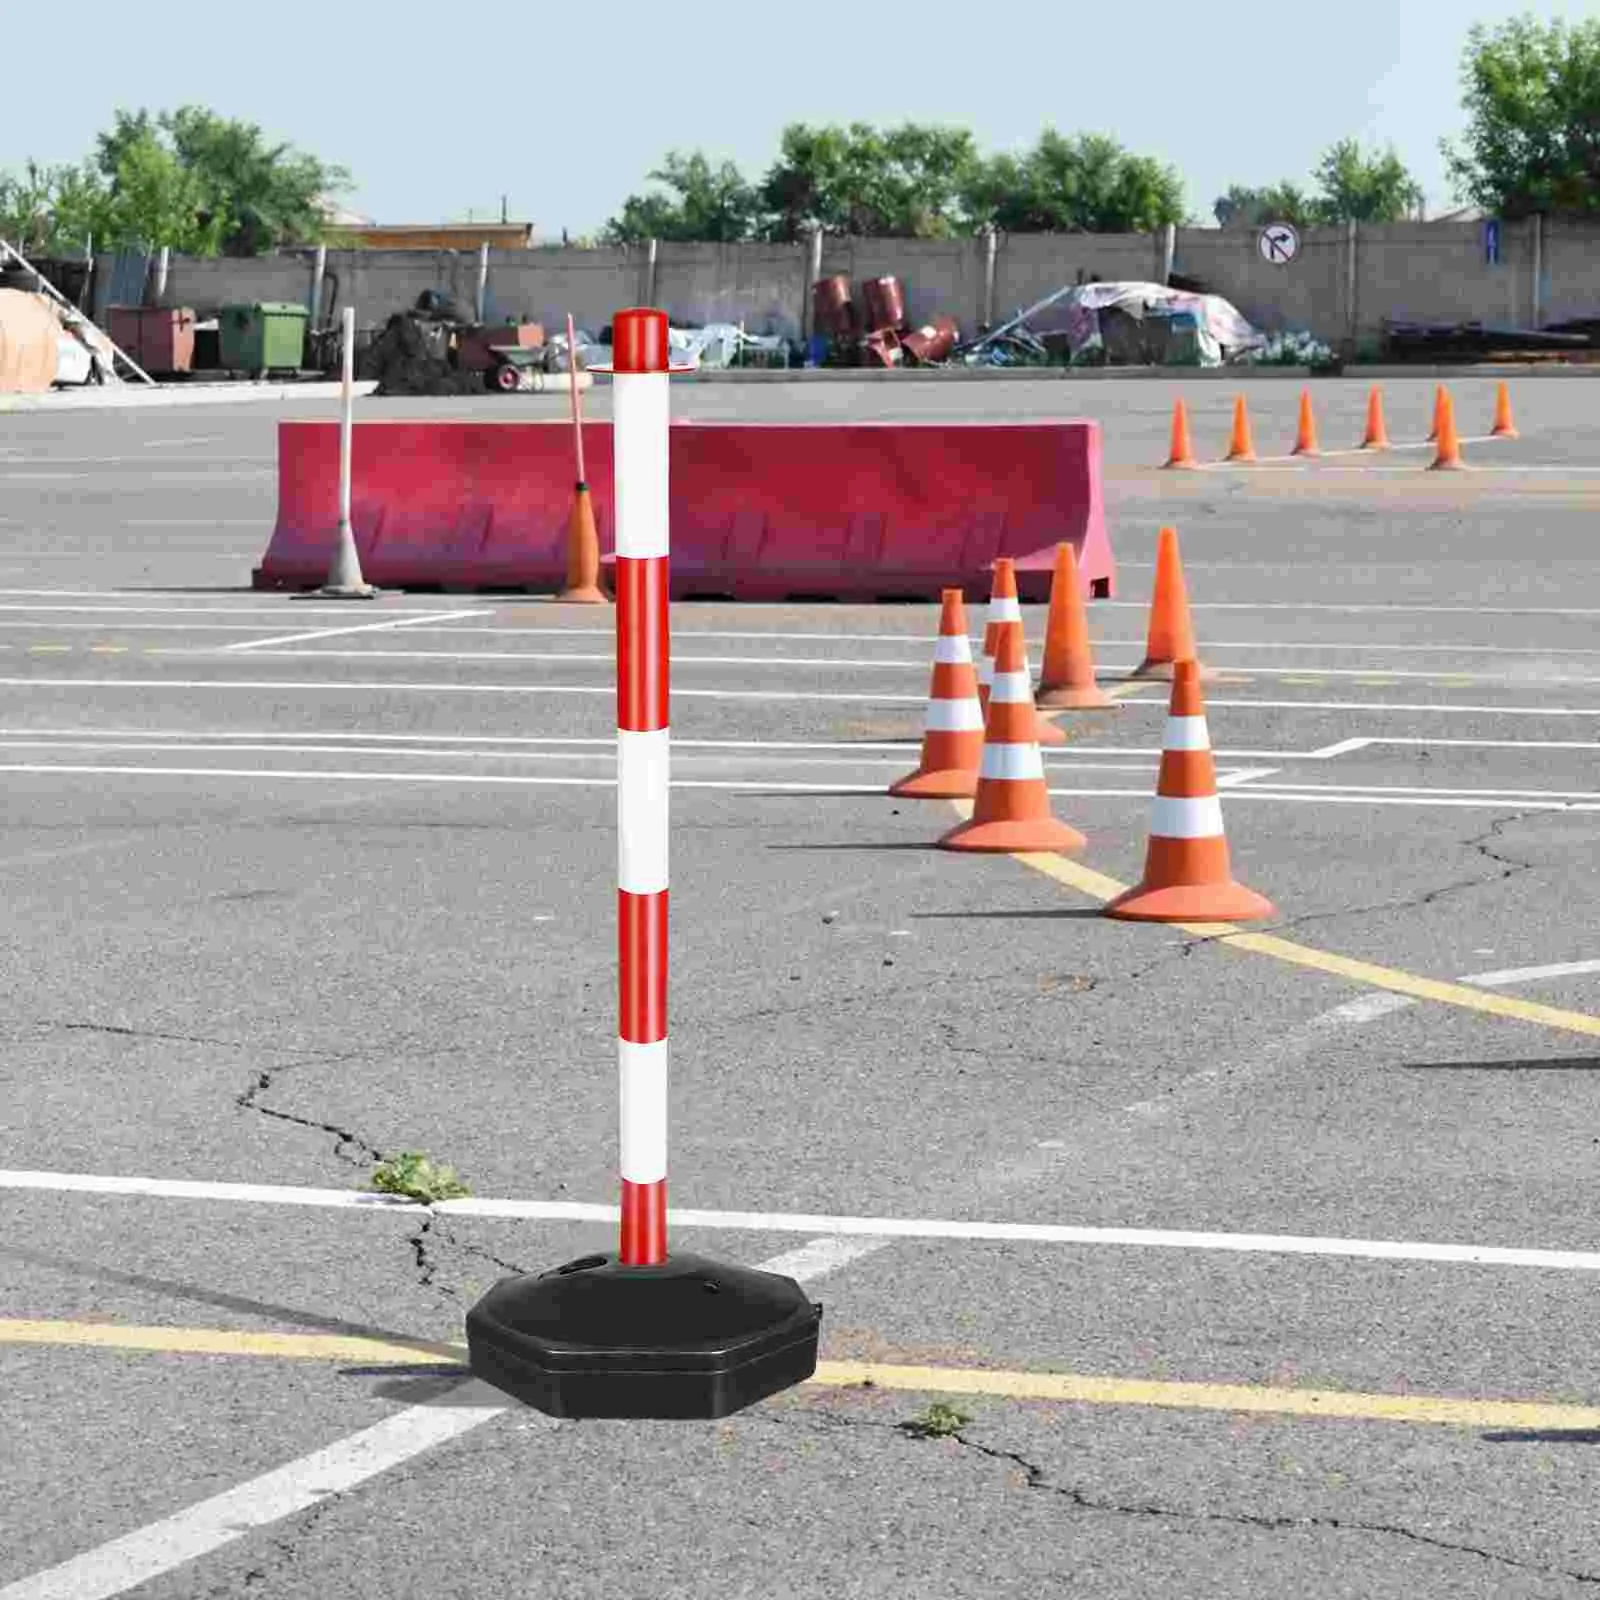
45,344
877,332
1119,324
1476,341
413,355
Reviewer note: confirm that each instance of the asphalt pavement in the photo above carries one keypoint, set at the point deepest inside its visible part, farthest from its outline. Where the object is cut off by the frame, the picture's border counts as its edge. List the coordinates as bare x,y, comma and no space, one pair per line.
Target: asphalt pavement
1155,1260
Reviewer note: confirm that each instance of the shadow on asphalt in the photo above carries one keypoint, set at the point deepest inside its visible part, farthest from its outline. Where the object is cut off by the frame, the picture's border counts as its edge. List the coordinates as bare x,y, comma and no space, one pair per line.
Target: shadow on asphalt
1549,1064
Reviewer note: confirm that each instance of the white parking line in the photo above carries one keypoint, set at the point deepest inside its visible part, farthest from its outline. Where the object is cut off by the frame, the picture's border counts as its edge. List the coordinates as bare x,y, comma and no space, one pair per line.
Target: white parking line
818,1225
122,1564
269,646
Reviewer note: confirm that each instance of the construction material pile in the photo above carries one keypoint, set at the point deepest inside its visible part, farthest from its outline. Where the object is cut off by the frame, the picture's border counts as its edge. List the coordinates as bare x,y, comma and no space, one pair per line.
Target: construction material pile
876,332
412,355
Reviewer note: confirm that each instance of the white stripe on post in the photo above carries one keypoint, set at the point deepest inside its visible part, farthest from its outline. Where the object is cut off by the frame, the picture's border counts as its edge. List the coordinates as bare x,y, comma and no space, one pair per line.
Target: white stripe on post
643,1085
640,409
952,651
1186,733
1010,688
953,716
1197,818
986,671
643,768
1013,761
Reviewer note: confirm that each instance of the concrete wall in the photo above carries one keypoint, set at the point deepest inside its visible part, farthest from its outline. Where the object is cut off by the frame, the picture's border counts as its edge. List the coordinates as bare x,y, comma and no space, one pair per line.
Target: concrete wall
1411,271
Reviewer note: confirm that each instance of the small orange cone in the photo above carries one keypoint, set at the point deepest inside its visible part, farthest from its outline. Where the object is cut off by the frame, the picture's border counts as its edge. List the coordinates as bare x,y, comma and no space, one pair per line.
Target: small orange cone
1011,810
1377,437
952,736
1182,452
1187,874
583,554
1067,679
1004,607
1504,427
1448,456
1241,447
1171,635
1305,442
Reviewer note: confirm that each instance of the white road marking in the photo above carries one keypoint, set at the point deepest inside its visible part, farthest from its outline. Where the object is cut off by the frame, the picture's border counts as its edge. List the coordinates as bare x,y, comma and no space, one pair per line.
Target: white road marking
122,1564
308,608
411,620
799,1222
1380,608
1343,748
404,686
1510,975
1232,780
1376,706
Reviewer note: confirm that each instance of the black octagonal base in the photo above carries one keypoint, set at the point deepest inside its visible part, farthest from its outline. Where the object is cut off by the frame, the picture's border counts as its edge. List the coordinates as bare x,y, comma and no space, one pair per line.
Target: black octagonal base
690,1338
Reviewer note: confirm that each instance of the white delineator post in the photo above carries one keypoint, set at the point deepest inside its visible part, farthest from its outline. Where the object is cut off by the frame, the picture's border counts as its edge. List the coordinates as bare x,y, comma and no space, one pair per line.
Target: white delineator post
640,413
345,580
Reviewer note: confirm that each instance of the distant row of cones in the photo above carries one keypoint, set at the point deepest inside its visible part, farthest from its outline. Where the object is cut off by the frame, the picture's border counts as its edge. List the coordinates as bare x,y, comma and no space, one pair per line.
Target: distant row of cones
1241,445
983,734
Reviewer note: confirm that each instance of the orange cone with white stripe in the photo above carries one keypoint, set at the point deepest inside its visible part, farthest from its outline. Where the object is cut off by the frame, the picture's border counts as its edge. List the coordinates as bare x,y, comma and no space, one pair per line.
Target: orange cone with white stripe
1004,607
952,731
1187,875
1011,810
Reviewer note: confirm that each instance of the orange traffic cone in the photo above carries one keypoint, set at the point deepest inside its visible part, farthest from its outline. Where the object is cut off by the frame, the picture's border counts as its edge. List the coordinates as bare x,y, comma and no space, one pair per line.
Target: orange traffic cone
1182,452
952,736
1305,442
1241,447
1171,635
583,554
1438,406
1187,875
1448,455
1004,607
1011,810
1504,427
1377,437
1067,679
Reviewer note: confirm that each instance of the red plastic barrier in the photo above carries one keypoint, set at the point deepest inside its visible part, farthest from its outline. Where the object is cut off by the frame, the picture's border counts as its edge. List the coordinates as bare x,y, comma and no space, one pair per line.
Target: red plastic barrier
760,511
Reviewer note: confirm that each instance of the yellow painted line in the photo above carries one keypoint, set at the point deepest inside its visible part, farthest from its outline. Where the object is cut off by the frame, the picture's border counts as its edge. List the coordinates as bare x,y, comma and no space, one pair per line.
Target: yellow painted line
48,649
1456,681
1098,886
1060,1387
108,649
1304,680
223,1342
1085,1390
1384,681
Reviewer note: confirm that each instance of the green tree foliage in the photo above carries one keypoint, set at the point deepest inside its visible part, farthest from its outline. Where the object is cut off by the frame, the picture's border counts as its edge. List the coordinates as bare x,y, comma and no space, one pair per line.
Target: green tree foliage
1531,92
190,180
1351,185
1355,186
704,202
912,181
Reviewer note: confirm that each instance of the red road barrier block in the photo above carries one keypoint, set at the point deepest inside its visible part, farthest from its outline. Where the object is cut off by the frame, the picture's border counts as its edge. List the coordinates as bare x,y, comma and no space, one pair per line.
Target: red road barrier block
760,511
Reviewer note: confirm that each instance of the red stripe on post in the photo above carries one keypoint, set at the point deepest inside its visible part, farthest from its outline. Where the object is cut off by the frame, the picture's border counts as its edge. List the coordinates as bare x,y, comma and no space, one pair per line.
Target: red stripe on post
642,644
642,966
644,1223
639,341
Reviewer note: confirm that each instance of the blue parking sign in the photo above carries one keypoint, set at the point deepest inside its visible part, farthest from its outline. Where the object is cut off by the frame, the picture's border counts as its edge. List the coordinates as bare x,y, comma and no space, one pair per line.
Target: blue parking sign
1491,241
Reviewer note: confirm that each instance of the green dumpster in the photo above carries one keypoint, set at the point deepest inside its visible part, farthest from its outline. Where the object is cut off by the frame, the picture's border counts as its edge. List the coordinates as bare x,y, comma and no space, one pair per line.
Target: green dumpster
267,336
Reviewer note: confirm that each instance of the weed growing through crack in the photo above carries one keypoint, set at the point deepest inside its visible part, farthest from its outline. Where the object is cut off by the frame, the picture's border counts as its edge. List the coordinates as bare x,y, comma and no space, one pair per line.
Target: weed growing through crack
414,1175
939,1421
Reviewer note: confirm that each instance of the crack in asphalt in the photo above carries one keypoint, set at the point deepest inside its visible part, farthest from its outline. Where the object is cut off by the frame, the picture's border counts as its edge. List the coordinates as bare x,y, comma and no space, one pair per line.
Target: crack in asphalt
249,1101
120,1031
1479,842
1082,1500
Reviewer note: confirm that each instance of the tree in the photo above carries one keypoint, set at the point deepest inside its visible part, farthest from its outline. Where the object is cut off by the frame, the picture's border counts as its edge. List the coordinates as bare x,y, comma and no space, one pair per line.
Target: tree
1531,93
706,203
1361,188
909,182
1254,208
1083,183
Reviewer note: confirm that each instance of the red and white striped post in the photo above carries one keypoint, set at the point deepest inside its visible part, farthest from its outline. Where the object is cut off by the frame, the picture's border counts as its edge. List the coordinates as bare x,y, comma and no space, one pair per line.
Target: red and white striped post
640,414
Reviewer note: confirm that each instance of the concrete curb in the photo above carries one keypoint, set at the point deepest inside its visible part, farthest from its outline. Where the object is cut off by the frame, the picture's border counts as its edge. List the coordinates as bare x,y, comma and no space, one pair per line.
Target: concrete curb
137,396
824,375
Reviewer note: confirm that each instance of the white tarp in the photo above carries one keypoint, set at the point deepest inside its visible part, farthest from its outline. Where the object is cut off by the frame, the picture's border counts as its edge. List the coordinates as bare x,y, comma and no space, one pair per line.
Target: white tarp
1224,334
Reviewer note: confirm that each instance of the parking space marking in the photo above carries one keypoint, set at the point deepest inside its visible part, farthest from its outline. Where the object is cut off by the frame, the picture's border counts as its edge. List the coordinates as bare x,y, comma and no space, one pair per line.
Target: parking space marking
1068,1388
1099,887
820,1225
122,1564
410,620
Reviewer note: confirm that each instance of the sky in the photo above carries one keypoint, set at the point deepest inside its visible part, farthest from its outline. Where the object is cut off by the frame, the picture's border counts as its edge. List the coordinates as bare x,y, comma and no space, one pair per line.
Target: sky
565,110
